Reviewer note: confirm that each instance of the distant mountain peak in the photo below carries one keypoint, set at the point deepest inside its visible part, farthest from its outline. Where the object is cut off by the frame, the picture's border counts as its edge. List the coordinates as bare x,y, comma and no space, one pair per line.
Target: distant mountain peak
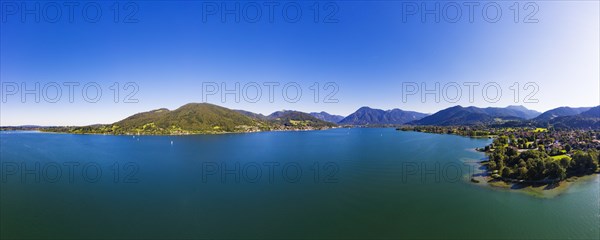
560,112
365,108
516,106
327,117
471,115
290,117
160,110
370,116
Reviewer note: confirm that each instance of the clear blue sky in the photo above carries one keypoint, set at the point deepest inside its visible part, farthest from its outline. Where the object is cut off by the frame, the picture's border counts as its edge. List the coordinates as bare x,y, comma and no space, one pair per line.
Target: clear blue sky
368,49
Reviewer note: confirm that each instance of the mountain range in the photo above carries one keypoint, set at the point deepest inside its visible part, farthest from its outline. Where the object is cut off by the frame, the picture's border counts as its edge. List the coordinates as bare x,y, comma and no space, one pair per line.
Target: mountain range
196,118
589,118
327,117
189,118
562,117
560,112
459,115
296,118
208,118
370,116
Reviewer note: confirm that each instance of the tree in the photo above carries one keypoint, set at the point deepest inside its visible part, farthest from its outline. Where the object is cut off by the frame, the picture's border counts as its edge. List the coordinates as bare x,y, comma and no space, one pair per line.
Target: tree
554,151
511,152
565,162
522,163
498,154
522,173
583,162
541,148
568,148
506,172
536,168
532,154
502,140
595,159
492,165
556,171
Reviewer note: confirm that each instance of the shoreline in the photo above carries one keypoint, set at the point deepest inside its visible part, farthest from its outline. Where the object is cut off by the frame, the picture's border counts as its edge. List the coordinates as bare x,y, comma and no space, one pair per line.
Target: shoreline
182,134
551,190
483,178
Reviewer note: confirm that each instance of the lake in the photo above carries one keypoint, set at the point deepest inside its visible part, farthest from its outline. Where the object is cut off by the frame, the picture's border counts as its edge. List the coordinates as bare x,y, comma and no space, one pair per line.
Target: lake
338,183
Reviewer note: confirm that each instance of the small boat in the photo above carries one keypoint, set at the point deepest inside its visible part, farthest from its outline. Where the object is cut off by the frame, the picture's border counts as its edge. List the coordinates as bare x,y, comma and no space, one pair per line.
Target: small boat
171,143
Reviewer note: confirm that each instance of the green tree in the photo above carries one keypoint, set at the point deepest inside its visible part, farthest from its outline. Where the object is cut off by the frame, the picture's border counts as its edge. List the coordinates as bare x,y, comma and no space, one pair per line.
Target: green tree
511,152
541,148
556,171
522,173
583,162
568,148
536,168
492,165
522,163
595,159
565,162
502,140
506,172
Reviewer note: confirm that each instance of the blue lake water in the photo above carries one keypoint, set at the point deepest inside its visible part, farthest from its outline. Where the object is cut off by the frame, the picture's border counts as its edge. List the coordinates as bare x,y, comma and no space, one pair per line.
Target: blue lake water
339,183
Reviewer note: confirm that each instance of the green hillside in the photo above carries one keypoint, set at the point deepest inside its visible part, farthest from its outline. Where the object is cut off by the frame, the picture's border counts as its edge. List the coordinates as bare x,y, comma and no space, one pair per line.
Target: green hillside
297,120
192,118
200,118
